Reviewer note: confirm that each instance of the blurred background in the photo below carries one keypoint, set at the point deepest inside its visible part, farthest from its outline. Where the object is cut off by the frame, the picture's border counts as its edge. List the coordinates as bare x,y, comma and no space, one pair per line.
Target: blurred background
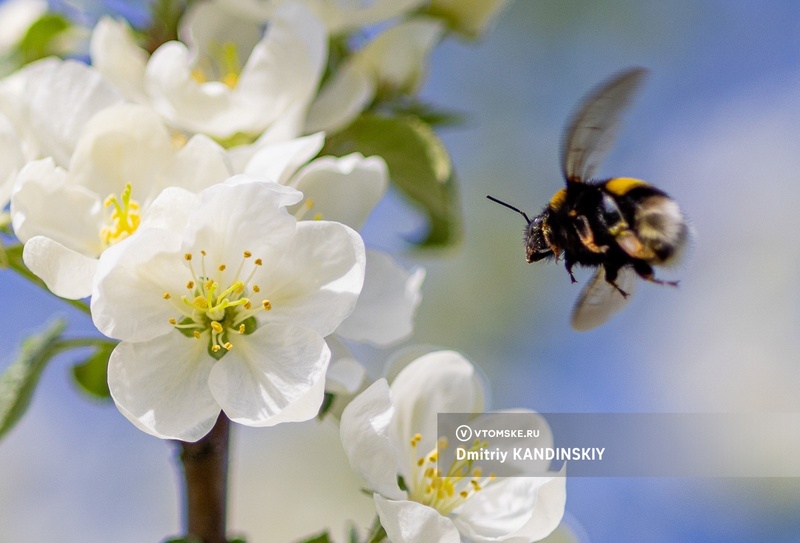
717,126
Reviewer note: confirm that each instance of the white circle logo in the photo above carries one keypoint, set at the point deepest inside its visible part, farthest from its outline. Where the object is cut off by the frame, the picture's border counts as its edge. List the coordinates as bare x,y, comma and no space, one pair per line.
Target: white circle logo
463,433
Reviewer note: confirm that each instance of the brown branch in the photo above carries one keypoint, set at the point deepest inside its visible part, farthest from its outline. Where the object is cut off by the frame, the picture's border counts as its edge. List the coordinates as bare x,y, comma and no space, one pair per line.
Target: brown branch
205,470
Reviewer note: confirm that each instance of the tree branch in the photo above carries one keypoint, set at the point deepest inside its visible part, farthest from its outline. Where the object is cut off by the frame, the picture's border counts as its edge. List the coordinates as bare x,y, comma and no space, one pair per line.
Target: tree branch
205,470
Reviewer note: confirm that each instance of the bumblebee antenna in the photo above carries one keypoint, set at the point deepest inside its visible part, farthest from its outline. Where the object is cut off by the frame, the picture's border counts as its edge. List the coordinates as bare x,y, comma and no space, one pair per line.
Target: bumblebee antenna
509,206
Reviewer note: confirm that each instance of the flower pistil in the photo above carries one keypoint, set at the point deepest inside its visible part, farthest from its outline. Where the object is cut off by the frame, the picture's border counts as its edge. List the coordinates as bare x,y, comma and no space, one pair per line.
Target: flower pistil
216,306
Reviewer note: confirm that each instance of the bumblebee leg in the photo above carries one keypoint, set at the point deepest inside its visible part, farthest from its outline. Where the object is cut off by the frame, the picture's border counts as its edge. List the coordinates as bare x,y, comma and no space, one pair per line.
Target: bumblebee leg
611,278
645,271
587,236
568,263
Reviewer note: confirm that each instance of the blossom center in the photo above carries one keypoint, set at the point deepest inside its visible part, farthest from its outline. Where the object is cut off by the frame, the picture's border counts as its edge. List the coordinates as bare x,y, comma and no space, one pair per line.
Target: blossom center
444,490
122,218
217,304
221,64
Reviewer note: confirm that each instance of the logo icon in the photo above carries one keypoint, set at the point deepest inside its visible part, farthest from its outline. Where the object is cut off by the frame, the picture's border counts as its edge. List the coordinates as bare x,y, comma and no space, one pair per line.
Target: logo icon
463,433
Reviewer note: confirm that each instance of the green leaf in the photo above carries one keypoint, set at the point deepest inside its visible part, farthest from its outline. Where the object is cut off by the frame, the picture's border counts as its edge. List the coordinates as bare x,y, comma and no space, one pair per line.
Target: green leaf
91,375
321,538
19,380
419,166
39,40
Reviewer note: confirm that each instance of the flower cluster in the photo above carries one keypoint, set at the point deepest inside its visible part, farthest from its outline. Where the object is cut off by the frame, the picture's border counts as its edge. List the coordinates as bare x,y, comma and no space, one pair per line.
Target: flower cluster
205,194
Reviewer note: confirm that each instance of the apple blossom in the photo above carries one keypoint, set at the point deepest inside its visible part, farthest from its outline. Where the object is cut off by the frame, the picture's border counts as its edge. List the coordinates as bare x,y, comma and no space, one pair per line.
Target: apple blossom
224,305
218,81
394,61
43,108
123,159
389,433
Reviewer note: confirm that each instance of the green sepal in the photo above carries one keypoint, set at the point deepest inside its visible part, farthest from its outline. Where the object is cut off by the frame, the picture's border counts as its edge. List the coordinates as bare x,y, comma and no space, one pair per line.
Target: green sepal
19,380
188,332
321,538
419,166
250,325
91,375
38,41
222,351
325,406
402,483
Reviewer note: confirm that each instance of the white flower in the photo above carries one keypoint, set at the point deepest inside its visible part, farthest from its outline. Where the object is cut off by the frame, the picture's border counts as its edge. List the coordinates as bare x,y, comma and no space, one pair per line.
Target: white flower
345,15
224,305
123,159
225,79
471,17
390,432
43,108
345,190
394,61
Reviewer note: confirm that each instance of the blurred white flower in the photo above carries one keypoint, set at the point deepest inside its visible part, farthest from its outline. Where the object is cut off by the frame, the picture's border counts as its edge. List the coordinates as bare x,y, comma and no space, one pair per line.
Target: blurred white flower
346,15
224,305
470,17
43,108
123,159
224,78
393,62
390,432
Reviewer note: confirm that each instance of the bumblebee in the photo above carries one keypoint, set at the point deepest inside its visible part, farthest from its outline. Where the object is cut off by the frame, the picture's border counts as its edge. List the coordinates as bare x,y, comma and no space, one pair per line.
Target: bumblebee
621,226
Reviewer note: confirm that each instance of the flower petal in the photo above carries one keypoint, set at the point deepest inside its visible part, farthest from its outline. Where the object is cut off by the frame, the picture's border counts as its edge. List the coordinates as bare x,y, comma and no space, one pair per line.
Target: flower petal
62,98
161,386
123,144
340,101
267,371
12,158
115,55
341,16
412,522
285,68
45,203
131,279
318,281
384,313
547,514
512,507
170,210
343,189
345,375
199,164
438,382
364,429
397,57
243,214
278,162
66,273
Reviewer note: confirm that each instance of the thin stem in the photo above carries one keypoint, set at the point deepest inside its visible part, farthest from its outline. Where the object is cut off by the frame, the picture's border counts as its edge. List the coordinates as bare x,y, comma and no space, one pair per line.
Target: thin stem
377,533
205,470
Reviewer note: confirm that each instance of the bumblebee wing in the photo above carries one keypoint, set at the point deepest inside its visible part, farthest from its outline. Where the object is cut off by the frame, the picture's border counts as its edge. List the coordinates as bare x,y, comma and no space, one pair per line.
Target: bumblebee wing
599,300
591,132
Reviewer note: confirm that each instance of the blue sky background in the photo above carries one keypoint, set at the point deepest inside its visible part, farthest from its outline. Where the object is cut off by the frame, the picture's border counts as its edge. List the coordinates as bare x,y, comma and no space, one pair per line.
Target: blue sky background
717,125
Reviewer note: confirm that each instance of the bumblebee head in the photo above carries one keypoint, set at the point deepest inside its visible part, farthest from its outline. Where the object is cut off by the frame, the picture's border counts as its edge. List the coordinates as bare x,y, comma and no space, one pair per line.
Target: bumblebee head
536,234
